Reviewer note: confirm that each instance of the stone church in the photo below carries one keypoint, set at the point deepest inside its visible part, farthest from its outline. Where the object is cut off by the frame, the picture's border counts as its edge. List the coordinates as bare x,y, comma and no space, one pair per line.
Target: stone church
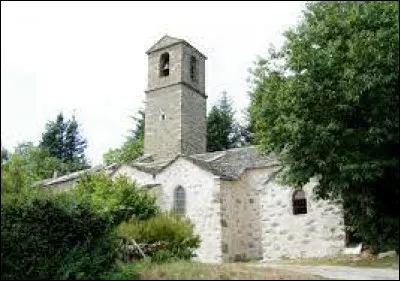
232,198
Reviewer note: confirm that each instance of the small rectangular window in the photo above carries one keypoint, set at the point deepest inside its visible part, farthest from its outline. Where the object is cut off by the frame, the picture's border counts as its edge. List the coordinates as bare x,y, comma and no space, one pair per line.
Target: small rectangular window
299,202
179,206
193,68
164,65
300,206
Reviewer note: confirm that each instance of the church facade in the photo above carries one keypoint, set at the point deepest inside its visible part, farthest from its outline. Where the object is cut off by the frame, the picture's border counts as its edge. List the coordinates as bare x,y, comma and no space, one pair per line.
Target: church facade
232,198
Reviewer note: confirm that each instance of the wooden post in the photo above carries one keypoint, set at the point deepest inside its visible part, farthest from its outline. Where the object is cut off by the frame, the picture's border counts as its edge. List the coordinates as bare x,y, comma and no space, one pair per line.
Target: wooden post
137,246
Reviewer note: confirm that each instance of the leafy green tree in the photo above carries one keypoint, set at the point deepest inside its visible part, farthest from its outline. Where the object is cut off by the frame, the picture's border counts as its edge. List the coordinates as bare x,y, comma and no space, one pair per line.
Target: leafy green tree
54,236
176,231
223,131
119,198
132,148
14,176
63,141
26,165
328,103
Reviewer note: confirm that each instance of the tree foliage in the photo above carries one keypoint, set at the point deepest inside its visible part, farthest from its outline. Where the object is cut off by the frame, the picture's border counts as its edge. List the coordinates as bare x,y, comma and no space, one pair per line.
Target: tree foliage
223,131
48,236
138,132
328,103
132,148
119,198
63,141
177,231
74,147
26,165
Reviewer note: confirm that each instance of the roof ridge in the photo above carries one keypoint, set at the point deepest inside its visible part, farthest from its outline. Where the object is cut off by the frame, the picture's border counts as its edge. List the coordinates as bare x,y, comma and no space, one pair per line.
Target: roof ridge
166,36
176,38
226,150
216,157
175,41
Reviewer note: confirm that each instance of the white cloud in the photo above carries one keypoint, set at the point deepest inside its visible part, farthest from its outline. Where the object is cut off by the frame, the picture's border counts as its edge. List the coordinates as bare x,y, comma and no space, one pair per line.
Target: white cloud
90,56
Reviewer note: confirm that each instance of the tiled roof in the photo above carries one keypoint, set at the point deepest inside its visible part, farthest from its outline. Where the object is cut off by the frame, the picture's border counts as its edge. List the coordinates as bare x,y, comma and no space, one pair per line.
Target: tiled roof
75,175
167,41
228,164
233,162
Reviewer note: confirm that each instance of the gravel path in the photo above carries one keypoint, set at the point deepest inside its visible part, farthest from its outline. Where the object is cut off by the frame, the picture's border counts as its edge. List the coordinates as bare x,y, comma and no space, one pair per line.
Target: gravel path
340,272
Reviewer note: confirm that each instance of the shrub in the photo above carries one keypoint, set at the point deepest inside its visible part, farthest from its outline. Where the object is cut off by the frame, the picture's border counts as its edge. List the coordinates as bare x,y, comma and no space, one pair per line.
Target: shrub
53,236
173,229
118,198
164,256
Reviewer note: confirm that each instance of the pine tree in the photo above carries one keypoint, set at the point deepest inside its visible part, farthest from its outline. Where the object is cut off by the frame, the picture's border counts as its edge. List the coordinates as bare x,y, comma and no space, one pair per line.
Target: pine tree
138,132
74,147
53,138
223,132
63,141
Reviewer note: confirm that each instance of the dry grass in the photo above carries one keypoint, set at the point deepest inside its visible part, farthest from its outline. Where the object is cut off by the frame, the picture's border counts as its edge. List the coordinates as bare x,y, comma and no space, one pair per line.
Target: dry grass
368,261
201,271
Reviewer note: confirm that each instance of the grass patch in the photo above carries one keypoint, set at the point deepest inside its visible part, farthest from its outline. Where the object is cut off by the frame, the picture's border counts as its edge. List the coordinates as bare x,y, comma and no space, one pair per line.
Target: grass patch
124,271
251,260
358,261
185,270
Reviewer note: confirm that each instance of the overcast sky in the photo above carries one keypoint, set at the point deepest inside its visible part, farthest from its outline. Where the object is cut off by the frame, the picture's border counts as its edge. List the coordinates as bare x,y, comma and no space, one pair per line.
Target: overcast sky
90,57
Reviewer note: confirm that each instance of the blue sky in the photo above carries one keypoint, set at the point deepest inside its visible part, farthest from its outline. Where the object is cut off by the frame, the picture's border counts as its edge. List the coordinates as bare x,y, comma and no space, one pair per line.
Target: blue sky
89,57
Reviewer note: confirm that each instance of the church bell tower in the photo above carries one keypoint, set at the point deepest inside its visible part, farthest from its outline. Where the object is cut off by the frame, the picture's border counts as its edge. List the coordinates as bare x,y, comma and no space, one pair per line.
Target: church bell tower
176,102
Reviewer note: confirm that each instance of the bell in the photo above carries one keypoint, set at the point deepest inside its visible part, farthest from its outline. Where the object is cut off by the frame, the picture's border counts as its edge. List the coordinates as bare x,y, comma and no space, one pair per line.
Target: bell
166,66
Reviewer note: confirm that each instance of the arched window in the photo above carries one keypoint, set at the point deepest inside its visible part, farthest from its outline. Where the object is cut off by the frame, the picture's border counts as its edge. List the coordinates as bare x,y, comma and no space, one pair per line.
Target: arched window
179,200
164,64
193,68
299,202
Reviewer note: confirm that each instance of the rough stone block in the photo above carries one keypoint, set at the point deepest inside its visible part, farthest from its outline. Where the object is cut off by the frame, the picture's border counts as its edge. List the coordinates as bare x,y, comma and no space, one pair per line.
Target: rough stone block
310,222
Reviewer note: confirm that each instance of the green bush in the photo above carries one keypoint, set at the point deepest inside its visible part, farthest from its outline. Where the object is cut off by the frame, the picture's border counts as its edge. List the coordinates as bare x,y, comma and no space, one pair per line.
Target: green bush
118,198
162,255
53,236
173,229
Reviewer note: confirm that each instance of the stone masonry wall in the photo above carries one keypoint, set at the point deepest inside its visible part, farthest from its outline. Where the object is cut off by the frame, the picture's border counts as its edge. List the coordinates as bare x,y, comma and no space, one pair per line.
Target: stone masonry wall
248,218
175,66
257,221
199,82
183,131
175,105
251,181
240,211
140,177
194,122
163,136
232,214
202,201
318,233
202,204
